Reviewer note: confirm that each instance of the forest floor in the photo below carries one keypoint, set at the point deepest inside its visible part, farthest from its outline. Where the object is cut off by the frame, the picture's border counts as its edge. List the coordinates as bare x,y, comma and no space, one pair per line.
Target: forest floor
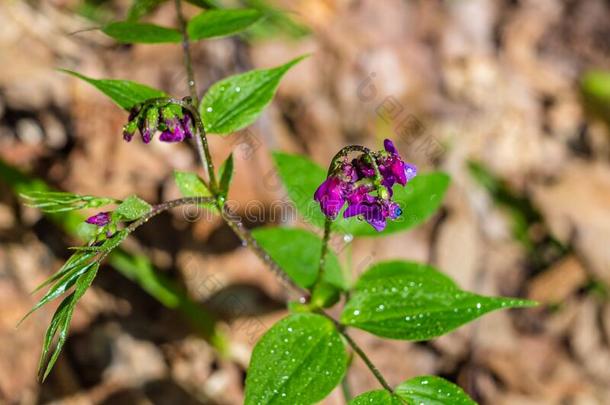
489,92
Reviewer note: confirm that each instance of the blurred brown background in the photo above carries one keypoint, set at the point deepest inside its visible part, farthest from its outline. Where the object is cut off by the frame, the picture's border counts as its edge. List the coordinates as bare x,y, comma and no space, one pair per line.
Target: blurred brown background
489,91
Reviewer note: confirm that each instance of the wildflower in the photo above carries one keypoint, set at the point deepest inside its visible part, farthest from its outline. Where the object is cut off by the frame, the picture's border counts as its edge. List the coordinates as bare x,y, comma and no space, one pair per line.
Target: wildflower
331,196
175,124
393,169
365,184
99,219
375,211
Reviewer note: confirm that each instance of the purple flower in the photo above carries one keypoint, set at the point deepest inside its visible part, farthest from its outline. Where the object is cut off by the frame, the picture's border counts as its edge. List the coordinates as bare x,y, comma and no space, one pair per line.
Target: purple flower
393,169
127,136
177,130
146,135
99,219
174,131
368,197
375,211
331,196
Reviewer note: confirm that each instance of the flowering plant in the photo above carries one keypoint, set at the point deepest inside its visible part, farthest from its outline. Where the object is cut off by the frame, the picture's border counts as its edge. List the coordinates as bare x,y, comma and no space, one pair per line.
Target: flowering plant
303,357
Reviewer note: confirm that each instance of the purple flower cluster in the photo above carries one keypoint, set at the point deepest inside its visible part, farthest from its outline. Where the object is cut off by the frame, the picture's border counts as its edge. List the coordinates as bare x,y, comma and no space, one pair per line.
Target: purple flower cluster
354,182
174,124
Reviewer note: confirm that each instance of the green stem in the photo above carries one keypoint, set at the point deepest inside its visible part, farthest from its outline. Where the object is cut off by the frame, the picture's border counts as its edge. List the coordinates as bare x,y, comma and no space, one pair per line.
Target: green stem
202,141
246,237
159,208
235,224
327,225
366,360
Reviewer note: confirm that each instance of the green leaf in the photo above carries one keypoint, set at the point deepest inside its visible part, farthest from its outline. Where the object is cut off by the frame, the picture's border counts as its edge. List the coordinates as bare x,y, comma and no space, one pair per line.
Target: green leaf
205,3
78,259
190,184
56,201
412,301
278,23
298,361
237,101
419,199
128,32
140,8
65,282
324,295
126,94
298,251
226,174
301,177
378,397
595,87
431,390
60,324
133,208
218,23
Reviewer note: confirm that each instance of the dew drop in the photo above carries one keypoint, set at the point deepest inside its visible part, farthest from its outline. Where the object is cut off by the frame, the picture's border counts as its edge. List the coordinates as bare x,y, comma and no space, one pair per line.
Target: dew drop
348,238
209,109
237,89
478,305
357,312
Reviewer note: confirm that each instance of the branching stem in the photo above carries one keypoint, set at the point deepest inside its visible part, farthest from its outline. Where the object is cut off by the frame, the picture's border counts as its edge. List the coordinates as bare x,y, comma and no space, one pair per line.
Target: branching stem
232,220
202,140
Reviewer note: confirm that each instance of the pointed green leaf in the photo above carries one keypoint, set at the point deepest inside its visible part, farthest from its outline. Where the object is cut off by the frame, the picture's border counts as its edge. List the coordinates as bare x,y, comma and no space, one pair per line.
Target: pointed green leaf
412,301
56,201
226,174
419,199
298,361
78,259
284,245
140,8
205,3
190,184
218,23
378,397
126,94
431,390
62,315
60,324
60,287
133,208
128,32
237,101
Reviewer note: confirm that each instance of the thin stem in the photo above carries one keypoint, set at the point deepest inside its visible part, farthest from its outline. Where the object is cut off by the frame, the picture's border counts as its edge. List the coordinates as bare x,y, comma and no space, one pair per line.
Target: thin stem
327,226
366,360
202,141
186,52
159,208
354,148
245,236
235,223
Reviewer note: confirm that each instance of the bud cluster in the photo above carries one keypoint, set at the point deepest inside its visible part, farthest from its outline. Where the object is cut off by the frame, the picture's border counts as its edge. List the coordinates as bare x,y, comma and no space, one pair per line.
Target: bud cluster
174,123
